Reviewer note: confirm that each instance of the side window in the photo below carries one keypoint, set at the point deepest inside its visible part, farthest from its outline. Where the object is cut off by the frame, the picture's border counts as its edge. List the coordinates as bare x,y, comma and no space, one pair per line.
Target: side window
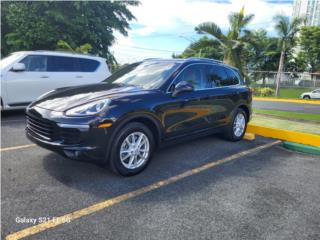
35,63
87,65
62,64
194,75
216,76
232,78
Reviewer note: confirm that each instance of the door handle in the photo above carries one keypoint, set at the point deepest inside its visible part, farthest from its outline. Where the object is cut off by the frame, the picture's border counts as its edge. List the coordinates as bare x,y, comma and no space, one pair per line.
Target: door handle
79,76
44,77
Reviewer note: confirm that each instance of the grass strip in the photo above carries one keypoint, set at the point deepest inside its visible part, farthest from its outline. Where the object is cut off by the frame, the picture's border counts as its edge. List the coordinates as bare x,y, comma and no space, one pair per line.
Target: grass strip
290,115
312,128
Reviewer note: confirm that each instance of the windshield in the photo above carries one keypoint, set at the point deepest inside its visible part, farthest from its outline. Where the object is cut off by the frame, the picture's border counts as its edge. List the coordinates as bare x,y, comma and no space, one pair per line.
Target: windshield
148,75
9,60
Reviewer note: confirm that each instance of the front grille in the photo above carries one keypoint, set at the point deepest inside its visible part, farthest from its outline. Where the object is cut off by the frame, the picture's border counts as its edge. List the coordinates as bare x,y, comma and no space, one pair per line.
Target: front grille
40,127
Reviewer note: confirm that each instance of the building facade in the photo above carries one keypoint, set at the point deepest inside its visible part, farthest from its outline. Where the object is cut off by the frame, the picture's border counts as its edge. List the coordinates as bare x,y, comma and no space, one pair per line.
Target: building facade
310,9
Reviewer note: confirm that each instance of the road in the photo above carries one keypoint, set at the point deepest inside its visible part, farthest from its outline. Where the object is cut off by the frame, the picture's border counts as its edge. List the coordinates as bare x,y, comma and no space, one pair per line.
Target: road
287,106
266,194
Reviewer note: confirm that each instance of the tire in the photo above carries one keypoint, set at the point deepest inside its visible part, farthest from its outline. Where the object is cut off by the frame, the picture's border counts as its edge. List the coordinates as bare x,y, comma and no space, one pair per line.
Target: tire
139,156
307,97
236,134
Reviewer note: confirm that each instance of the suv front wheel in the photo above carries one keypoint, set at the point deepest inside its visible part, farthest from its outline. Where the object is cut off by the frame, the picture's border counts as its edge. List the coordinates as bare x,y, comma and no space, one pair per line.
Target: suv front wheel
132,149
236,130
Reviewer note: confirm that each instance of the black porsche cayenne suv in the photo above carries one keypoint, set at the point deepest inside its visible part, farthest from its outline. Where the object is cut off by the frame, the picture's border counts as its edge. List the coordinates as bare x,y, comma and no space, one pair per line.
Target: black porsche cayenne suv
121,121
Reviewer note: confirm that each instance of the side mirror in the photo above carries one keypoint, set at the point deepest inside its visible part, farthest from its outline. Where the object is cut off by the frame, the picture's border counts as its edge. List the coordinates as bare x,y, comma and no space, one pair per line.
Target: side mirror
18,67
182,86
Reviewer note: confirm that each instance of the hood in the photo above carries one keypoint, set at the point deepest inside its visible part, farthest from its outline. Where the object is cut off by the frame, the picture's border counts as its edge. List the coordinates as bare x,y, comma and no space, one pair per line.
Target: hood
66,98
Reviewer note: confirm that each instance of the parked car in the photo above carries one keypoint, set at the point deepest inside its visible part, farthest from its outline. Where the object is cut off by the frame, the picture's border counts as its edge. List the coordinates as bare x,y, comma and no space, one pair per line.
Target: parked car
121,121
27,75
315,94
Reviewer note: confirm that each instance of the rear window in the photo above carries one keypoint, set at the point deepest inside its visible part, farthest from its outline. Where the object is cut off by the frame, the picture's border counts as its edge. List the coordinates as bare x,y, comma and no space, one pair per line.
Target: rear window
71,64
87,65
232,78
216,76
61,64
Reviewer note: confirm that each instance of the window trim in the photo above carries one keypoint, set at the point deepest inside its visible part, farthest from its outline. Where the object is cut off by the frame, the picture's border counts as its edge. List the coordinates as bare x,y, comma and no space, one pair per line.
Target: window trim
205,89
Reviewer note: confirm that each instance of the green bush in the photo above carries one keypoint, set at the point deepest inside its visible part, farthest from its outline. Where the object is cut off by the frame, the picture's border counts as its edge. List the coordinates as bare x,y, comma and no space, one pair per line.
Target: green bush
263,92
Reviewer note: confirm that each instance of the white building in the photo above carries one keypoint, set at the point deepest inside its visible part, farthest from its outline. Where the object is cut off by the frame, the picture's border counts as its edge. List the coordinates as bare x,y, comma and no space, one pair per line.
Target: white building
310,9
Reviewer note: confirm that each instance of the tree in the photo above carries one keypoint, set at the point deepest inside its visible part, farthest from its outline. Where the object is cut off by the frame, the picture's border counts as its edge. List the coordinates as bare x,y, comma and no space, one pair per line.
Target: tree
287,31
233,42
204,47
40,25
84,48
310,46
262,53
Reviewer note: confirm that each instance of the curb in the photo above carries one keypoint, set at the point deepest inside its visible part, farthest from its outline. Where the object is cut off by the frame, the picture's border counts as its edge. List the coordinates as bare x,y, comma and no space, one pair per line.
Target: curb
285,135
301,148
301,101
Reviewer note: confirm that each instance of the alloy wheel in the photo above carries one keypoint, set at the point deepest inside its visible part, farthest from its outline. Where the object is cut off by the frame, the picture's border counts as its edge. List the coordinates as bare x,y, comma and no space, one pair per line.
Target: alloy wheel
134,150
239,124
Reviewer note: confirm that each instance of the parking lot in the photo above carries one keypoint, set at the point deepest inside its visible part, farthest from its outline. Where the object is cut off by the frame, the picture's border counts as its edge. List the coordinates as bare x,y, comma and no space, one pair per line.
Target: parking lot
205,189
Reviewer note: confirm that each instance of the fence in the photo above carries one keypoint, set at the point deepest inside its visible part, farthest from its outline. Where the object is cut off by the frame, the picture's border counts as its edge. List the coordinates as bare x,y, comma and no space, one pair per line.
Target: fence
288,79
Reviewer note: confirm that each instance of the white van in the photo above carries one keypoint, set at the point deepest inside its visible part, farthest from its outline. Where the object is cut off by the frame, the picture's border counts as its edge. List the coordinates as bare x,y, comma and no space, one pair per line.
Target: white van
27,75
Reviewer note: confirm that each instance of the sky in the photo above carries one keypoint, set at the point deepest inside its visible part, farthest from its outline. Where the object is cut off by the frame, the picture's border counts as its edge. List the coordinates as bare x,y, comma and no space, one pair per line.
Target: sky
163,27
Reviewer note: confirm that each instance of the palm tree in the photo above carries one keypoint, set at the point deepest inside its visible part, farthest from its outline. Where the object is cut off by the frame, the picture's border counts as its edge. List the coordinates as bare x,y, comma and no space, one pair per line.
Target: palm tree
262,53
287,31
204,47
63,45
232,43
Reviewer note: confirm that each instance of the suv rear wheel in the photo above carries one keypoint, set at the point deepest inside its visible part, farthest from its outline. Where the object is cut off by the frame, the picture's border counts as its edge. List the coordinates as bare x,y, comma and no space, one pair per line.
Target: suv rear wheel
132,150
236,130
306,97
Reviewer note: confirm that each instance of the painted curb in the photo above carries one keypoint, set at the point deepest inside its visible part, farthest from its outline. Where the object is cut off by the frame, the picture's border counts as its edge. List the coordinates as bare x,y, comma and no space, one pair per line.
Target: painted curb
285,135
249,136
300,101
301,148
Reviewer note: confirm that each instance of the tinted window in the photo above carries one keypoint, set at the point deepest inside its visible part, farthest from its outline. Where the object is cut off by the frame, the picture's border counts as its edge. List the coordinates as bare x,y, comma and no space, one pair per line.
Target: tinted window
216,76
232,78
87,65
35,63
62,64
148,75
194,75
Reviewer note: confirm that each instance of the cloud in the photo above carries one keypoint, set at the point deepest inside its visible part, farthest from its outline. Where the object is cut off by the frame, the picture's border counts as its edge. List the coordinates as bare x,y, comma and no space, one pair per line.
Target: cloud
176,17
166,15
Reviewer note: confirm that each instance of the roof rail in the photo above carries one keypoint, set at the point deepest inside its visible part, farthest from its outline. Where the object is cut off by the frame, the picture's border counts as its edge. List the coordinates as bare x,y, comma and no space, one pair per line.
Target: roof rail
146,59
202,59
66,51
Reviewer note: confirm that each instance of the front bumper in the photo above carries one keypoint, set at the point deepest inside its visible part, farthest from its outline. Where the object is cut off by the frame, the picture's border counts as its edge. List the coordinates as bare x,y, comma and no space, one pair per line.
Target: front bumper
77,139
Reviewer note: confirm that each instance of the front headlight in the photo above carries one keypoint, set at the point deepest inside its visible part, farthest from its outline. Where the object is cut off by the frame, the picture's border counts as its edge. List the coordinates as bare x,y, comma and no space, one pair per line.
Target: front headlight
88,109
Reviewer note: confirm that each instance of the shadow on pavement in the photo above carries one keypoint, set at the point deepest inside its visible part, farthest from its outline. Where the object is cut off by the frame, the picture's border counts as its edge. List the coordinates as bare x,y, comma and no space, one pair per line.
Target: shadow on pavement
168,162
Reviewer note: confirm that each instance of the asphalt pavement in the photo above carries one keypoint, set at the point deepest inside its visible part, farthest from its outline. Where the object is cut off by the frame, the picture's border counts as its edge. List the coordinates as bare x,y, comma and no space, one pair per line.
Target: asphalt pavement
286,106
268,194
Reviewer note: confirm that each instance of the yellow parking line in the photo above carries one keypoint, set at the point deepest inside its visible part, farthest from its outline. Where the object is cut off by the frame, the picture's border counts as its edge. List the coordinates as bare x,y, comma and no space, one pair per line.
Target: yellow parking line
301,101
16,147
112,201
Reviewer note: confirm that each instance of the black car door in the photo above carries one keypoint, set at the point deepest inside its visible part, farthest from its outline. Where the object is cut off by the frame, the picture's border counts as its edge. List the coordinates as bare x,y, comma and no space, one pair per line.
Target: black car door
188,112
221,94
